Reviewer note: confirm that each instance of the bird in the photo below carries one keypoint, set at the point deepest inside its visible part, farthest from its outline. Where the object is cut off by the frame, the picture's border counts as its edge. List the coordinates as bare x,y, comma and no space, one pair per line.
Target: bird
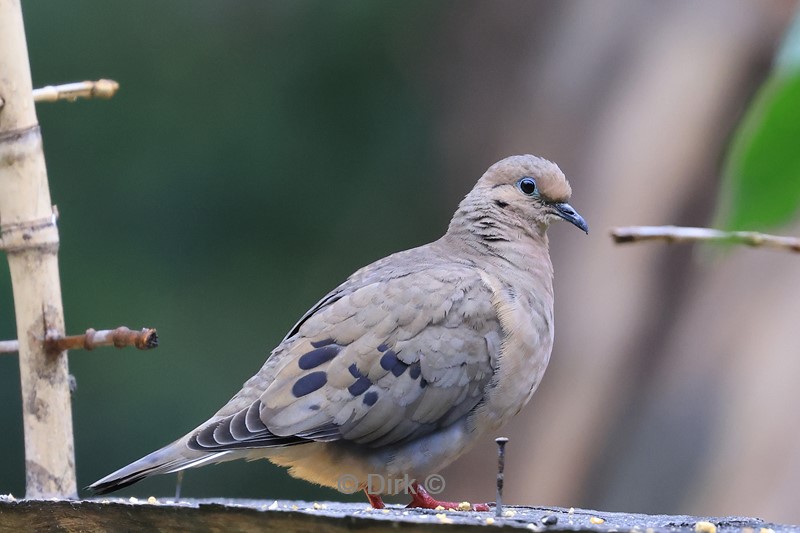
398,371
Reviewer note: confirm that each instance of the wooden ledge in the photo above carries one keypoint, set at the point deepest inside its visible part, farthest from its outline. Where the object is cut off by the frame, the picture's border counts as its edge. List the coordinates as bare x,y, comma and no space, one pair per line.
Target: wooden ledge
295,516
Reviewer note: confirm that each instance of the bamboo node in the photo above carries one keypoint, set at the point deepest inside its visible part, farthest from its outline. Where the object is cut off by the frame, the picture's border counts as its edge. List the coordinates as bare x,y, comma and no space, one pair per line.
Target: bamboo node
33,234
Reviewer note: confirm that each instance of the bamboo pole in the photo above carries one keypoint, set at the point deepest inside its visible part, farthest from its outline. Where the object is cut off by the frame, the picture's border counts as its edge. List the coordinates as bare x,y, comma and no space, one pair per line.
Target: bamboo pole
29,236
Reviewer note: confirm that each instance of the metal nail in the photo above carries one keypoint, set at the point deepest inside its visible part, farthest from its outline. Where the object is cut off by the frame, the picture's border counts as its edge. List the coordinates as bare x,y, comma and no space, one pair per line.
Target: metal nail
501,466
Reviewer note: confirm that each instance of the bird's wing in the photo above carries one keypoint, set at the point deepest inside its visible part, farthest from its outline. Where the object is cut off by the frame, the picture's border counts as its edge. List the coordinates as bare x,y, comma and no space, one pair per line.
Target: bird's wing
383,359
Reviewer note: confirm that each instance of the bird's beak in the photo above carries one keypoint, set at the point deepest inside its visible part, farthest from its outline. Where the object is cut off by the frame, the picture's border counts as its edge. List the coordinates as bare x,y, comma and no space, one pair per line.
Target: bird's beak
566,211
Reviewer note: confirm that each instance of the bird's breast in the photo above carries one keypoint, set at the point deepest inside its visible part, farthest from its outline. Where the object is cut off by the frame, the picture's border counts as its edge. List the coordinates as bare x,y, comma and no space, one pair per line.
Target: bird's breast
526,316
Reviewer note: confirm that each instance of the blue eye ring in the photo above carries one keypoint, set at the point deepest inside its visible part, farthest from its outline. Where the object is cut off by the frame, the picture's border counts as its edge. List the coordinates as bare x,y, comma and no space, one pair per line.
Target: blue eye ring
528,186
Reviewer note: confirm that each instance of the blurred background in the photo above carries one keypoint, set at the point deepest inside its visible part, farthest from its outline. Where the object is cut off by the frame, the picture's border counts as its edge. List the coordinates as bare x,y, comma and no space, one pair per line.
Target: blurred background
259,152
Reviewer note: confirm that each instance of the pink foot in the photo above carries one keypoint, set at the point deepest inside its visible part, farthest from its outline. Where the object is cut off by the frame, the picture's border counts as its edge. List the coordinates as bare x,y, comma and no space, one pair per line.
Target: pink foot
420,499
375,500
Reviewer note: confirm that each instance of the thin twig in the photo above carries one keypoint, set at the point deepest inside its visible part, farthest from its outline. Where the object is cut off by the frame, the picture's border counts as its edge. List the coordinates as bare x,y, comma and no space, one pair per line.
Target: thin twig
121,337
72,91
678,234
9,347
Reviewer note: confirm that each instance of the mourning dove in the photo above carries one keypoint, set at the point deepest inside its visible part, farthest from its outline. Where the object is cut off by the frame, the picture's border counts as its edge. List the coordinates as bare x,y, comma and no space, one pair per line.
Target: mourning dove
398,371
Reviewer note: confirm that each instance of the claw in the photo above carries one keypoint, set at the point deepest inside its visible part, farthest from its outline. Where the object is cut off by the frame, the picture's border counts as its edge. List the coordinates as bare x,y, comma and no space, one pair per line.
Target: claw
375,500
420,499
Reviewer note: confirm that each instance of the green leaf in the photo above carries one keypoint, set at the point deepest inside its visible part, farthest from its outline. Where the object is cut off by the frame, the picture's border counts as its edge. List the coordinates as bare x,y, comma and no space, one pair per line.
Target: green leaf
761,176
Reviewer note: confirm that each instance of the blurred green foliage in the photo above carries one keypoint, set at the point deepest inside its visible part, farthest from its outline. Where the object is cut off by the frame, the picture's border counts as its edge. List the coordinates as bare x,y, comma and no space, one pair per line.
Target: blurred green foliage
256,154
761,185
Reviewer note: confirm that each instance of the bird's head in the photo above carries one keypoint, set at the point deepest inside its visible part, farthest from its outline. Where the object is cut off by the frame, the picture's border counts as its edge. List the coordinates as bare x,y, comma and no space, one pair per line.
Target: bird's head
530,189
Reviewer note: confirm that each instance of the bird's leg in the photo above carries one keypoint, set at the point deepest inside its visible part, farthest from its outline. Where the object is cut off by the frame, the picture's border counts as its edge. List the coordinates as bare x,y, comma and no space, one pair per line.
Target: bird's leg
422,500
179,484
375,500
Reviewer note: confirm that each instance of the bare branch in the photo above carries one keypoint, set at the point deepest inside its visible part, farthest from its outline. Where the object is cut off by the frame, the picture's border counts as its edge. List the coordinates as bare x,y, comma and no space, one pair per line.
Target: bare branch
145,339
72,91
678,234
121,337
9,346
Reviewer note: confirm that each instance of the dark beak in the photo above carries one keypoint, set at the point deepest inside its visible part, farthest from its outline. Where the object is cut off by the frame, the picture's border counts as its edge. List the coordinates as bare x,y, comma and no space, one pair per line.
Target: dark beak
565,211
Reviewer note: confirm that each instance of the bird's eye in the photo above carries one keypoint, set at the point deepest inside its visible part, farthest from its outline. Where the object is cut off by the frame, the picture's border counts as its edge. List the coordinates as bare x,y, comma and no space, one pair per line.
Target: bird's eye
527,185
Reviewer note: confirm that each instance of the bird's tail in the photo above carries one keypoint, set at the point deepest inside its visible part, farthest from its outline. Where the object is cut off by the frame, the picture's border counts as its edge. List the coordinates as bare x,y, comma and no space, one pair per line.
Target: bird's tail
171,458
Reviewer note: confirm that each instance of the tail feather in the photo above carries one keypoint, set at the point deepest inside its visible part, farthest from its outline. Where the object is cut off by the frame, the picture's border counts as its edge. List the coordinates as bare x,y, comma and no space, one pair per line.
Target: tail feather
167,460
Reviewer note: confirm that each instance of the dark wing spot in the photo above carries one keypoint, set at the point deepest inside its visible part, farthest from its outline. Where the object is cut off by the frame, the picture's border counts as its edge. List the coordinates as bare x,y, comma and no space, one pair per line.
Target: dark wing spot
388,360
314,407
309,383
423,383
360,386
317,357
399,368
354,371
370,398
382,347
501,204
415,370
323,342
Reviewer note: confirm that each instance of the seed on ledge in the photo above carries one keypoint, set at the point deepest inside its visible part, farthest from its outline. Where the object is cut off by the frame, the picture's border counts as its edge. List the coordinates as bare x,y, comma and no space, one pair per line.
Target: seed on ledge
704,526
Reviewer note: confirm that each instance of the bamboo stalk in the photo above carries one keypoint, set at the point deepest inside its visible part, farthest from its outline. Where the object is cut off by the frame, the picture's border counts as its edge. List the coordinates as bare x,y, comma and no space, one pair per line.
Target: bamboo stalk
30,238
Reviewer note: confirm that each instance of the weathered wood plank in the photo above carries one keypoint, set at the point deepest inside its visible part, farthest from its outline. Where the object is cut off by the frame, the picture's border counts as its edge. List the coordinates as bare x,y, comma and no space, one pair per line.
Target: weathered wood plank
329,517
